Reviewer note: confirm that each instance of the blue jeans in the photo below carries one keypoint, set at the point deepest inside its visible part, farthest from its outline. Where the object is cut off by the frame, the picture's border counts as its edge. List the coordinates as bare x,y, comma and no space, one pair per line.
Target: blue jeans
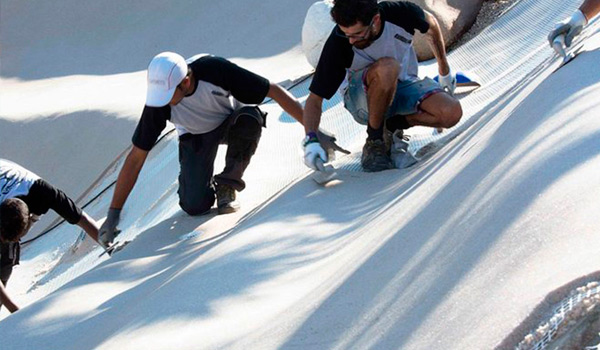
408,97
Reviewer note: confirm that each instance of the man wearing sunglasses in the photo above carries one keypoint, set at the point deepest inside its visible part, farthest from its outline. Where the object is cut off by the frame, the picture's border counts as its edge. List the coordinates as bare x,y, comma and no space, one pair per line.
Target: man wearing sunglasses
24,197
370,54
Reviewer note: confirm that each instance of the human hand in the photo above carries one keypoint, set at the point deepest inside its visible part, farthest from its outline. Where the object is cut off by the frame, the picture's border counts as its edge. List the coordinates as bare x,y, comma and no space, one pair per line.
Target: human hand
312,151
108,231
570,28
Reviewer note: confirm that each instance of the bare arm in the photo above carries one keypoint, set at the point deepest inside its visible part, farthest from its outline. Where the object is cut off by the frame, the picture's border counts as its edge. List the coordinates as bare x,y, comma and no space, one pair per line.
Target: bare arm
590,8
89,225
435,39
312,113
286,100
6,300
128,176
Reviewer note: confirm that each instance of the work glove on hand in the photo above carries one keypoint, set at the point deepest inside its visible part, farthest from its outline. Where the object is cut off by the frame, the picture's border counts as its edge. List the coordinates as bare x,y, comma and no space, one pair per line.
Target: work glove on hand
448,82
570,28
313,150
108,231
328,143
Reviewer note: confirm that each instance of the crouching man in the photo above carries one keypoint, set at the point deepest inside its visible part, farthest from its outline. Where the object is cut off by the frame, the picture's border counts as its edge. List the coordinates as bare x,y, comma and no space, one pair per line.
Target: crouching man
370,54
24,197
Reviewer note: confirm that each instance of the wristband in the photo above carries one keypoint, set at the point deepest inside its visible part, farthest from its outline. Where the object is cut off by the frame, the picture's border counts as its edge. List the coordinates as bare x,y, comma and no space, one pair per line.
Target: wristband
311,137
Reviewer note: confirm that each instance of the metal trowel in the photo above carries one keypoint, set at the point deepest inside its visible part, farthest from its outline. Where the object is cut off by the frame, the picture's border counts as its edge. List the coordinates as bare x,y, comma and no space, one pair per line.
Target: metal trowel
561,49
324,174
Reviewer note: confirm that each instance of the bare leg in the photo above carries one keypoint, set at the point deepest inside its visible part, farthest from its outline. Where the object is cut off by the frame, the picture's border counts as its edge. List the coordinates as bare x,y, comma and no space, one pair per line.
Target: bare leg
439,111
382,78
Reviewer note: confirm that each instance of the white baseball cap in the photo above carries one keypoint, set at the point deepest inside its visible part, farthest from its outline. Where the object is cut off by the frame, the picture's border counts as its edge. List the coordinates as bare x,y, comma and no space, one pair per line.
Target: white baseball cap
165,72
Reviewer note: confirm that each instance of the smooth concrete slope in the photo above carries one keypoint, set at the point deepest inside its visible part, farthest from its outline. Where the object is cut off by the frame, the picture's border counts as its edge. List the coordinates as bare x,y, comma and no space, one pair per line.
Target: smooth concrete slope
451,254
46,39
72,78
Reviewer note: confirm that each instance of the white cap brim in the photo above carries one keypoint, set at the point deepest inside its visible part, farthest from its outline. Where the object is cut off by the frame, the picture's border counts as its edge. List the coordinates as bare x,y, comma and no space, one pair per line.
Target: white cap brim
156,97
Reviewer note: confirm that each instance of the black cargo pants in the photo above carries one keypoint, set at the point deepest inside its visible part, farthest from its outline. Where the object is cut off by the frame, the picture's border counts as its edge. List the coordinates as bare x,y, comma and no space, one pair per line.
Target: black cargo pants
241,132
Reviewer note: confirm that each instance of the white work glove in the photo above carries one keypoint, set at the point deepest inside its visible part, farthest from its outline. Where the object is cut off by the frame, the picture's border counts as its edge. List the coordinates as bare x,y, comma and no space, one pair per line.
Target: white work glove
108,231
313,150
328,142
570,28
448,82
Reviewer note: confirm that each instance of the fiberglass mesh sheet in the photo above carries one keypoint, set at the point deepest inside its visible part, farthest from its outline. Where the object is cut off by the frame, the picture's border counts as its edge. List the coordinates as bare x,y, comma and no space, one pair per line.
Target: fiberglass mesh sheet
504,56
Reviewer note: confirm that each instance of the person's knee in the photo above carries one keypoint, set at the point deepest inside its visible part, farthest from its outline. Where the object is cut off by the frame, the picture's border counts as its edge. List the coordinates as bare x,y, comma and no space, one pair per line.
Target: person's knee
248,123
385,69
197,201
198,207
247,127
451,114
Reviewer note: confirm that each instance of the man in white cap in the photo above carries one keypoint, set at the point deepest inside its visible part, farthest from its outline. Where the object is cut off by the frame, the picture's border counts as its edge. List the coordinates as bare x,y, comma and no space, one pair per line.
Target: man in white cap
573,26
211,101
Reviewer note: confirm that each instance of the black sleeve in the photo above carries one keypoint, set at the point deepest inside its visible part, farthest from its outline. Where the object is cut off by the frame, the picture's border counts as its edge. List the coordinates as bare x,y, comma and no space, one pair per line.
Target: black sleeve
245,86
42,196
336,56
404,14
152,123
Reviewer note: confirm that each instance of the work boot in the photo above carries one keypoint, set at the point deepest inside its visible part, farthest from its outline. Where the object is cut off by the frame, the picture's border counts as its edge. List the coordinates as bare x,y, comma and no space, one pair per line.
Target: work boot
399,154
375,156
226,202
387,138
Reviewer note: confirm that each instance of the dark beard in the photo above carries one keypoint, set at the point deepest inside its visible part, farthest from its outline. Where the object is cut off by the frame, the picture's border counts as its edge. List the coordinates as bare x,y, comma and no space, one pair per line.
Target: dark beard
363,44
366,42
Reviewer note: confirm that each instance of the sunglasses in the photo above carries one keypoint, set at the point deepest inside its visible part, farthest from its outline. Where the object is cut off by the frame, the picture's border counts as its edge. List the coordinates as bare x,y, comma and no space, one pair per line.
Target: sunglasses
362,35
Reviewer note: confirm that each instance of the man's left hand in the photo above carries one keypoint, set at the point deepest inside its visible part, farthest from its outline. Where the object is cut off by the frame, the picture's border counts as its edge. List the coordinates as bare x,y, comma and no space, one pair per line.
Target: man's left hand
448,82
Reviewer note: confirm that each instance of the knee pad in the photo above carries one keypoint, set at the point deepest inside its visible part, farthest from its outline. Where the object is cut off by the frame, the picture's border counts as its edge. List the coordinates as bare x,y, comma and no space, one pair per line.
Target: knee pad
247,123
251,111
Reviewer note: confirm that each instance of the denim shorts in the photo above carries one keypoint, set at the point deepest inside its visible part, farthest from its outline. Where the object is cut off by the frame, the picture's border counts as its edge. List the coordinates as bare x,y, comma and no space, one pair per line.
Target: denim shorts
409,95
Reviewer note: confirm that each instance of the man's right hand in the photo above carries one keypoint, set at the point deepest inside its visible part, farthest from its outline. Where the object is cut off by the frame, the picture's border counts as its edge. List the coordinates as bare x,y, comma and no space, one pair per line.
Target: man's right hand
313,150
108,231
569,28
